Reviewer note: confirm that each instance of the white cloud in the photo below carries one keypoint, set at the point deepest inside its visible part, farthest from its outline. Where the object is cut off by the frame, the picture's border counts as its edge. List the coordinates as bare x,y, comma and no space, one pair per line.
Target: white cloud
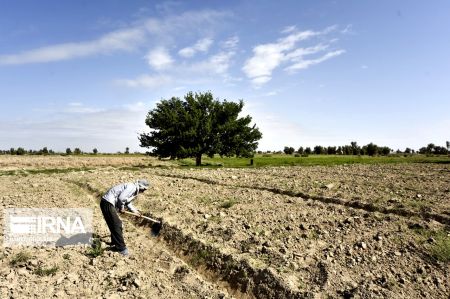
159,58
126,39
304,64
216,64
231,43
201,45
146,81
107,130
289,29
80,108
348,29
298,54
120,40
267,57
186,52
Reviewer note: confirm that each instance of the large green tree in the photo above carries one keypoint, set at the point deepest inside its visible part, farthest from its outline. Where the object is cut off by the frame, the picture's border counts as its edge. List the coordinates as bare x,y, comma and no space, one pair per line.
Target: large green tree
199,125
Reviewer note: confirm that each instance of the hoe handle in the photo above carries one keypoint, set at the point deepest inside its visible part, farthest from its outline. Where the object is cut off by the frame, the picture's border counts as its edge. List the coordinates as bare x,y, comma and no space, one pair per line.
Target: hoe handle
145,217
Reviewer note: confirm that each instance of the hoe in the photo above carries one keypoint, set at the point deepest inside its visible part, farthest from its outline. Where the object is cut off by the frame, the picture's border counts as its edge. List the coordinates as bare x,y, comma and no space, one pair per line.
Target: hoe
156,224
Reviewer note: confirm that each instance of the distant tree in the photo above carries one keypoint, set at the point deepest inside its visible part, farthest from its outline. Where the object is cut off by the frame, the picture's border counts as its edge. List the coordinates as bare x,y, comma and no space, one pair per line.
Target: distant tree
339,150
423,150
308,151
447,143
331,150
408,150
20,151
372,149
385,150
68,151
355,148
199,125
44,151
77,151
288,150
12,151
430,148
319,150
301,150
346,150
95,151
127,150
440,150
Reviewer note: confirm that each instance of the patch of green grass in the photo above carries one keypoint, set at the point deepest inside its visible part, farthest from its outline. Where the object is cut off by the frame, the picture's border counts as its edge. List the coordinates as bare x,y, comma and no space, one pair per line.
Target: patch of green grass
205,200
96,249
437,243
441,249
215,219
262,160
20,258
46,271
229,203
417,204
199,257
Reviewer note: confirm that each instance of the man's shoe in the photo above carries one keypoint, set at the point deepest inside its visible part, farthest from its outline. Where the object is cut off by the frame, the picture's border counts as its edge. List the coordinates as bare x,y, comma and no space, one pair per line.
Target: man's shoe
124,252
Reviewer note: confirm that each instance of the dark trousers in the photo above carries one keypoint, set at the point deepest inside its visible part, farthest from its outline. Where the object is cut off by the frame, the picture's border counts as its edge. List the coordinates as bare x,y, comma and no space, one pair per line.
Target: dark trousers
114,224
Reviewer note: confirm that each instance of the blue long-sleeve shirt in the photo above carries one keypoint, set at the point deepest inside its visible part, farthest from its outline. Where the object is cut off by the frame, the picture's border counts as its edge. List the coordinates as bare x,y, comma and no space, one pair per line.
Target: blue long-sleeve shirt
122,195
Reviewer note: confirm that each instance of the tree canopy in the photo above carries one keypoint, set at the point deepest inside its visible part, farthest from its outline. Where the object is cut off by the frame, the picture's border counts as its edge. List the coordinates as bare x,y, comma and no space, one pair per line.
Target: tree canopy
199,125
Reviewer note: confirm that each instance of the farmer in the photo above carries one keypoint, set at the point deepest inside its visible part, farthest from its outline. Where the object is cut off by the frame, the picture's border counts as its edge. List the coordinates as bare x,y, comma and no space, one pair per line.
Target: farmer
117,199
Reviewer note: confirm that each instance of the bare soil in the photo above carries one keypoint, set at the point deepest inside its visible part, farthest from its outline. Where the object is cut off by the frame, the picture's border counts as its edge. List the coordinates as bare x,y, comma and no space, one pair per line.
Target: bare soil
367,231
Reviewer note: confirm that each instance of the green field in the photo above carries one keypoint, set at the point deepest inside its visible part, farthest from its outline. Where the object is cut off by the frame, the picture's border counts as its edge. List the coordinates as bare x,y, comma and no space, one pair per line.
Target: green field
290,160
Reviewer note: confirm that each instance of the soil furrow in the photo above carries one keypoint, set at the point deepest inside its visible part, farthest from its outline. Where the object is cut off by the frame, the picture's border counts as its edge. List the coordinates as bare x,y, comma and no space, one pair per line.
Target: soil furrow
368,207
241,279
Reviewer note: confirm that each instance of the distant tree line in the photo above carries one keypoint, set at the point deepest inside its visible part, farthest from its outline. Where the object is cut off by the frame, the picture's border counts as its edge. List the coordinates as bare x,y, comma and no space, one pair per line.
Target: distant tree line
432,149
370,149
45,151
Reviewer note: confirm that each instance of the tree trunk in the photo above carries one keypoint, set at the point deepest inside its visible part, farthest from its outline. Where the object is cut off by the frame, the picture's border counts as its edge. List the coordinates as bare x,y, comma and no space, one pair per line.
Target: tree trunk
198,160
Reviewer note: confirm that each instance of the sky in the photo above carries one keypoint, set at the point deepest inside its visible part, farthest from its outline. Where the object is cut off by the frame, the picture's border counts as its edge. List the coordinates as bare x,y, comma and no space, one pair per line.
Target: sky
86,73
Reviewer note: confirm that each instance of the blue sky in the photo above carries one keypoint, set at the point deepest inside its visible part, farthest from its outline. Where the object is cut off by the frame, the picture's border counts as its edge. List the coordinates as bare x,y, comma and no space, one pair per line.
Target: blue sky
85,73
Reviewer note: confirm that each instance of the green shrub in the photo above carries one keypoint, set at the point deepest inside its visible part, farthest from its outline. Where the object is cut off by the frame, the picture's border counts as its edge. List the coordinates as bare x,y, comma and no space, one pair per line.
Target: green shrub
96,249
437,243
20,258
440,249
45,271
228,204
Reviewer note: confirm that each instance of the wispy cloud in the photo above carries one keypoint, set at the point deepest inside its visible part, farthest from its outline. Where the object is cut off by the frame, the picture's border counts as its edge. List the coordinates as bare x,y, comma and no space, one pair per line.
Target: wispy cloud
121,40
231,43
80,108
201,45
159,58
146,81
267,57
125,39
107,129
215,64
304,64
